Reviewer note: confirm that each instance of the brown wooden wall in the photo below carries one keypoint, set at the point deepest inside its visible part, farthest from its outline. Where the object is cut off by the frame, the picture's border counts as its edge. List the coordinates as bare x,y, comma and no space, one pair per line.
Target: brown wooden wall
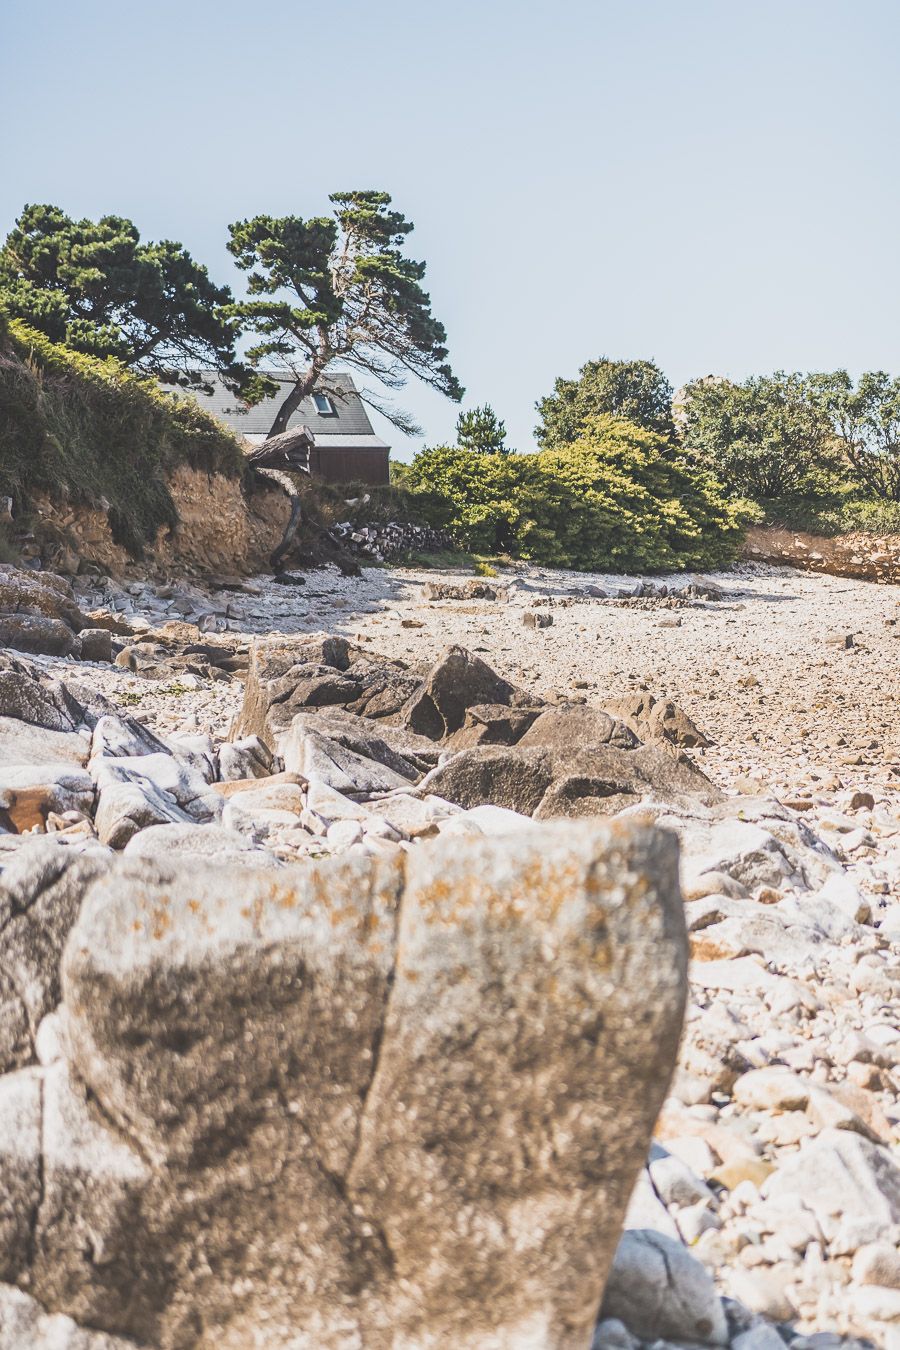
350,465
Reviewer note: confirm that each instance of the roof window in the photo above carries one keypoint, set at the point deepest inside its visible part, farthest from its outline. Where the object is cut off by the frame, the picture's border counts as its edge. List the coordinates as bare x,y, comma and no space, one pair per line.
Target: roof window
324,406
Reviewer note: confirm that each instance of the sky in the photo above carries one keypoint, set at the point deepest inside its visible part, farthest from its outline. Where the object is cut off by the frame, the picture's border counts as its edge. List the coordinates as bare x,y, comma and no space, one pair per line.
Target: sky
712,184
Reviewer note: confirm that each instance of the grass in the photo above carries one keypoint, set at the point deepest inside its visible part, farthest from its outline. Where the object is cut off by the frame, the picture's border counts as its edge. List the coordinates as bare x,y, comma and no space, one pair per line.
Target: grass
88,430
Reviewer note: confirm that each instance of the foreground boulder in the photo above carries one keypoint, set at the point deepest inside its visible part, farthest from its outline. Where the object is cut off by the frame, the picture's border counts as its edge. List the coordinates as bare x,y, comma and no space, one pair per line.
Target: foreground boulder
381,1103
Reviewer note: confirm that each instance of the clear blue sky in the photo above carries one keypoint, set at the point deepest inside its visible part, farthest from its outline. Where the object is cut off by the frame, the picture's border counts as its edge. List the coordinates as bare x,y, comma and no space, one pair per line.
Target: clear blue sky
709,183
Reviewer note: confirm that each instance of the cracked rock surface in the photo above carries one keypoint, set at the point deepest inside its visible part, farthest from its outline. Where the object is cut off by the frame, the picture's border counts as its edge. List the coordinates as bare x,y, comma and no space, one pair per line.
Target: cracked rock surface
359,1103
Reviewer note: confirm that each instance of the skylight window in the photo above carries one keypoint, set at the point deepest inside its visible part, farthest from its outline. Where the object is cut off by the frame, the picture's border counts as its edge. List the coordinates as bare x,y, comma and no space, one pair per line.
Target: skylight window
324,405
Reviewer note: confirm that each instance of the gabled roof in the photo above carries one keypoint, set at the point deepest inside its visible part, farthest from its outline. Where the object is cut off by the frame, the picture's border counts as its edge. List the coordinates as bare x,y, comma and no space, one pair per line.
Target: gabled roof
350,417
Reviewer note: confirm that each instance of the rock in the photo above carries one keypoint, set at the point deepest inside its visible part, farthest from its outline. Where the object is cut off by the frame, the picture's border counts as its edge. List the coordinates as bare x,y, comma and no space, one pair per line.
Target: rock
646,1210
22,744
42,886
275,671
470,590
36,634
877,1263
653,719
658,1289
572,729
29,793
40,594
762,1291
318,757
761,1337
164,775
535,618
395,747
381,1160
676,1184
458,681
492,724
166,842
841,1174
488,820
246,758
95,644
774,1089
197,753
124,808
611,1334
511,777
604,780
30,695
20,1177
118,737
536,781
24,1325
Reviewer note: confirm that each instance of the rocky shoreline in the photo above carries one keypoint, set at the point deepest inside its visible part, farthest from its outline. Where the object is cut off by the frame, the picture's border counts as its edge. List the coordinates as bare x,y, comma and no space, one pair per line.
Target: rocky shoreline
341,724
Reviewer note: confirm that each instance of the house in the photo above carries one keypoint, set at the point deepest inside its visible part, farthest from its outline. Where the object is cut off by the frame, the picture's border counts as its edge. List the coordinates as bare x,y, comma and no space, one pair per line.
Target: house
345,449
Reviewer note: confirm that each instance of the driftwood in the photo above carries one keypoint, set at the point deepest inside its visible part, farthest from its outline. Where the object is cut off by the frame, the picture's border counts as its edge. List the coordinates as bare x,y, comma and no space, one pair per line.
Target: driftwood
288,451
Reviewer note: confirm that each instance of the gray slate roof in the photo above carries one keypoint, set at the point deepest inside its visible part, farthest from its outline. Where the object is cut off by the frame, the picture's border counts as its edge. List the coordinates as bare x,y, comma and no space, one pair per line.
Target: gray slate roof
351,418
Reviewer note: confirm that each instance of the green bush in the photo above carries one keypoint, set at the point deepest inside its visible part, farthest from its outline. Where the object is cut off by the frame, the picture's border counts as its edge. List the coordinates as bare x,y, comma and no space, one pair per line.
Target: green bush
614,499
835,515
73,425
766,439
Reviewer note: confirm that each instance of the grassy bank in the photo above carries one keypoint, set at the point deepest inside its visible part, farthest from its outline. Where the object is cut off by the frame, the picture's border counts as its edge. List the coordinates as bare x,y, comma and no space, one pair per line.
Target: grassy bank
88,430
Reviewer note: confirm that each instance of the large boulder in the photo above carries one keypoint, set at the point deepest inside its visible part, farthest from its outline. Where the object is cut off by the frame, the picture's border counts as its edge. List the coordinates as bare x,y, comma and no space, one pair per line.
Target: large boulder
459,680
30,695
290,676
549,783
25,592
358,1102
659,1290
658,719
22,743
37,634
38,612
570,729
30,792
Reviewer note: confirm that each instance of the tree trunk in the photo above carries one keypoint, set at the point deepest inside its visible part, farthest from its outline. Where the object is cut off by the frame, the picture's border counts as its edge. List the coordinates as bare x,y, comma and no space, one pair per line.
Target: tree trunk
290,405
286,449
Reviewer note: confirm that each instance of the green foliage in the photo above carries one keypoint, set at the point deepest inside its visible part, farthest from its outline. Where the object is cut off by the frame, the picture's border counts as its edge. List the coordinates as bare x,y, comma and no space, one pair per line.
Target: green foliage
339,288
635,390
474,495
74,425
481,430
865,421
836,514
94,287
616,499
767,439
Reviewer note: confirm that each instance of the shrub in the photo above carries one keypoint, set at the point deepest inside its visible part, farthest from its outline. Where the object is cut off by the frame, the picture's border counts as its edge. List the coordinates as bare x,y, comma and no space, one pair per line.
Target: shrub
767,439
617,498
635,390
77,426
